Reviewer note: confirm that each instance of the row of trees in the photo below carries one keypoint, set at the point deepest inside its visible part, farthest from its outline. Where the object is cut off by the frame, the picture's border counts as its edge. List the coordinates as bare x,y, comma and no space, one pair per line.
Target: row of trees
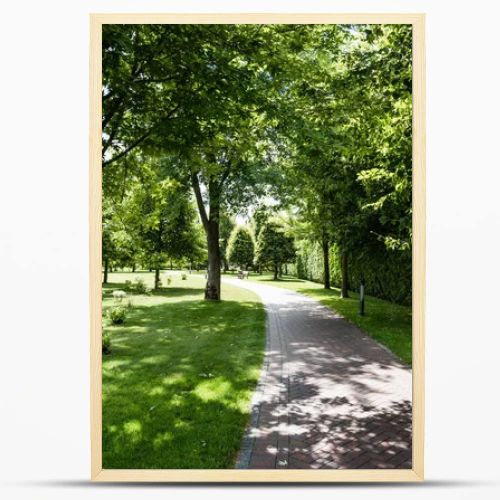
316,118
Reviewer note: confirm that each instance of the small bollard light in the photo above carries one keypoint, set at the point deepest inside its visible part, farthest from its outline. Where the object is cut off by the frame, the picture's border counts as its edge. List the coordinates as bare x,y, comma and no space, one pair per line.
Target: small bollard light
362,298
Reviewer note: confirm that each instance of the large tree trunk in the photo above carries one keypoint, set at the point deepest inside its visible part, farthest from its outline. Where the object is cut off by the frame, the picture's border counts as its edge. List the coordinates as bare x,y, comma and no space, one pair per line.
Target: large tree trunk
344,292
133,267
212,290
157,279
275,277
326,264
106,265
211,225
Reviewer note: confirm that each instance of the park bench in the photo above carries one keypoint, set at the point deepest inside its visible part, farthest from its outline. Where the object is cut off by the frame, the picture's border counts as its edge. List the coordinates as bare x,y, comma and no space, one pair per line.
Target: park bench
242,275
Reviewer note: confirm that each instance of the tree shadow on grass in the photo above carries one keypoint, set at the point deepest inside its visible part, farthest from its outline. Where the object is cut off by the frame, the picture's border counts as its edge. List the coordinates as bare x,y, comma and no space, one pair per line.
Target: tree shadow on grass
177,384
282,280
176,291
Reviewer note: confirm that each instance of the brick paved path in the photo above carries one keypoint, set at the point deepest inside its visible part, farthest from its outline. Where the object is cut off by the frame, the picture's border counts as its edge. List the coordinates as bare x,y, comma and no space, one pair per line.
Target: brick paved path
329,396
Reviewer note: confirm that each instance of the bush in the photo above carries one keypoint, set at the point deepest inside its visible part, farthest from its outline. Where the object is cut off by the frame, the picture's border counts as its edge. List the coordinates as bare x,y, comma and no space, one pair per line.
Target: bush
184,276
137,286
117,315
386,273
140,286
106,344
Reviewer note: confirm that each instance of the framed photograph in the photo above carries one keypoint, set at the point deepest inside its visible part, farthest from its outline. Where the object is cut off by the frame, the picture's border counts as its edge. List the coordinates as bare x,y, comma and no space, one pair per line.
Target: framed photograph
257,247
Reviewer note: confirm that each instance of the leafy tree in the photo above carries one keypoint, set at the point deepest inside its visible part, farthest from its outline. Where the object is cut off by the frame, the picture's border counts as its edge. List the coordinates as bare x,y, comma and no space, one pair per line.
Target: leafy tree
274,248
158,217
198,256
150,82
118,245
212,113
240,249
166,230
260,217
352,120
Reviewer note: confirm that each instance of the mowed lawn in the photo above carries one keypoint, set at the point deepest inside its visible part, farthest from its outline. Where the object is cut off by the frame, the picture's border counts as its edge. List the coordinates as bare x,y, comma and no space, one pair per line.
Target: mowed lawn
388,323
181,373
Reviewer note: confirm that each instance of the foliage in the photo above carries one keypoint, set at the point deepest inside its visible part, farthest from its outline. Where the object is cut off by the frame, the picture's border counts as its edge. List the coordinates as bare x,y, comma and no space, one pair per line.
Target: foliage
317,118
117,314
387,274
240,248
274,248
137,286
160,213
106,344
349,168
227,225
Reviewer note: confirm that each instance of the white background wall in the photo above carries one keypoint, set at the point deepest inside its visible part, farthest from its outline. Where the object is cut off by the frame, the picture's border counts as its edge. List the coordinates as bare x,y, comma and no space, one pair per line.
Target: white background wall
44,362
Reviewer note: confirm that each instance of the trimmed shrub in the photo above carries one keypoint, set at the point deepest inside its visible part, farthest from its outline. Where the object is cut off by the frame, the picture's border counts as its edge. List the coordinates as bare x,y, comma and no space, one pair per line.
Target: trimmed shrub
117,315
387,273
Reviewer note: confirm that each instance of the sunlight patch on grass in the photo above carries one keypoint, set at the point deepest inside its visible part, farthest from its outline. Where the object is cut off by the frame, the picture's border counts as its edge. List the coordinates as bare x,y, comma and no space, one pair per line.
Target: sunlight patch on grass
174,378
161,439
157,391
154,360
210,390
133,430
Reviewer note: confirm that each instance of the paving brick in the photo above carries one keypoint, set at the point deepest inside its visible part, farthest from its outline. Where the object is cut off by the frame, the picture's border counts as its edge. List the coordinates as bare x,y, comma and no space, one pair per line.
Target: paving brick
329,395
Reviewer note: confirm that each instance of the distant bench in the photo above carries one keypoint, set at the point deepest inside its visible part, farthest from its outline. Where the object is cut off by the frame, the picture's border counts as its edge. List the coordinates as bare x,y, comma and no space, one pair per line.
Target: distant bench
242,275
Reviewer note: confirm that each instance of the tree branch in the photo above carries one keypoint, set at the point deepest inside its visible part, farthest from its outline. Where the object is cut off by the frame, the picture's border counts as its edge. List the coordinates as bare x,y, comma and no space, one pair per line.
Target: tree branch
111,138
129,148
114,108
225,175
199,200
140,139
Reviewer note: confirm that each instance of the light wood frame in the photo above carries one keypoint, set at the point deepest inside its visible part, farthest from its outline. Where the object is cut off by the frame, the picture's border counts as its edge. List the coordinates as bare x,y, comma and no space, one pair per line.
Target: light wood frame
419,252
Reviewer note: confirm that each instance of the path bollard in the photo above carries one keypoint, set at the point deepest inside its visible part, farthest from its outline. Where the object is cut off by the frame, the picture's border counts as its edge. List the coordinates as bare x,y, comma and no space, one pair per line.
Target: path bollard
362,298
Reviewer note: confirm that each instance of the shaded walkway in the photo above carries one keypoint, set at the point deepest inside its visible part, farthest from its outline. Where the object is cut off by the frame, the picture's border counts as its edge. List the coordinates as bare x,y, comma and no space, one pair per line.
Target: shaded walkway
329,396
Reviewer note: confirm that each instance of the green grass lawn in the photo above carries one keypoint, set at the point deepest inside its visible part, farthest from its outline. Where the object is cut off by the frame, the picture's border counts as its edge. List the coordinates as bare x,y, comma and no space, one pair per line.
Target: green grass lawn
388,323
180,376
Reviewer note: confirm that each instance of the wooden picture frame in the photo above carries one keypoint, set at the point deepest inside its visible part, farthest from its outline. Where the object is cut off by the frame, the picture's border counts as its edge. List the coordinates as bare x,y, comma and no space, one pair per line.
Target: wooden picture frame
419,252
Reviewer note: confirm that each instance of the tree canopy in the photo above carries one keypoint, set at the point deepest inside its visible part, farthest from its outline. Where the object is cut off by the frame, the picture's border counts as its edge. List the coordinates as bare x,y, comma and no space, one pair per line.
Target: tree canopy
274,248
316,118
